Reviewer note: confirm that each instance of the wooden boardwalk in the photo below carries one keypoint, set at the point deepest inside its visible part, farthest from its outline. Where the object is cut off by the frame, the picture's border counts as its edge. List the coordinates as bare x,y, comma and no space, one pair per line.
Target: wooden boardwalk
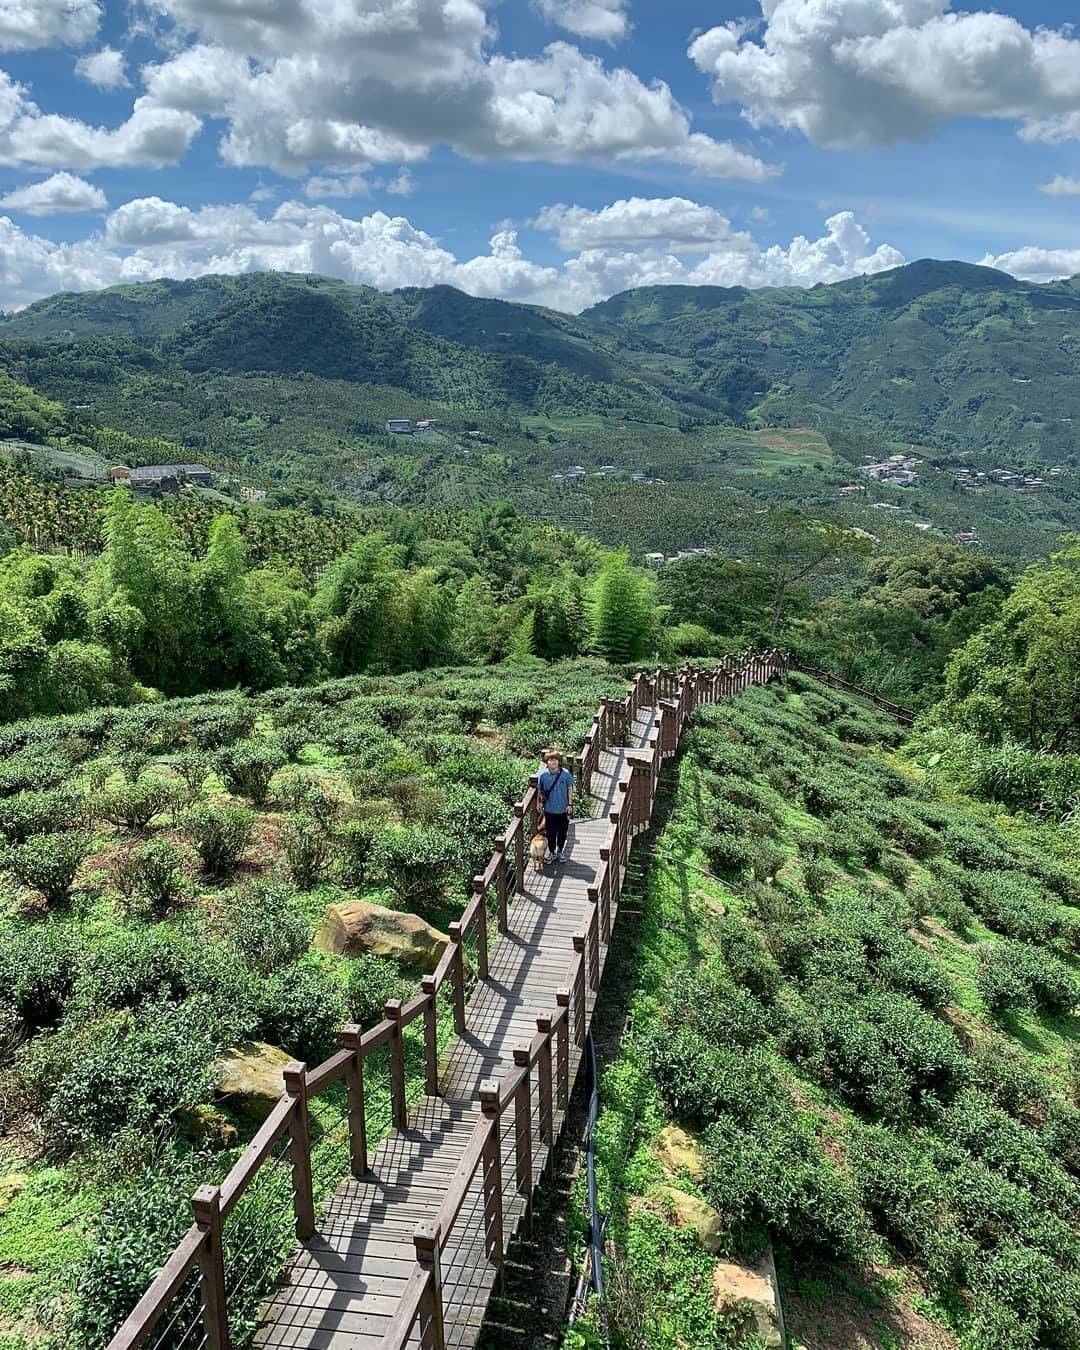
345,1283
412,1241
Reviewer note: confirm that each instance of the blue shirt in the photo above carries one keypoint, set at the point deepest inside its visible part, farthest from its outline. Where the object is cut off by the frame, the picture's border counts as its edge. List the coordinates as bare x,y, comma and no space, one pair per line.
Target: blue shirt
555,790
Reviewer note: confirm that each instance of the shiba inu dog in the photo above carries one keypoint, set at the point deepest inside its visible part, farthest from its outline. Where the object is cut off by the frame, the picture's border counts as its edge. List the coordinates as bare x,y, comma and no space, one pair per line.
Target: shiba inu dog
538,848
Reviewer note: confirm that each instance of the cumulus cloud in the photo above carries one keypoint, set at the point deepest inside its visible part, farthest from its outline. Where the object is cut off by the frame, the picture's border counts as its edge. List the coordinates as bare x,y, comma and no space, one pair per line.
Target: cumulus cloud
150,138
873,72
1037,264
675,221
1061,187
601,19
26,24
319,188
306,83
104,69
402,184
63,192
151,237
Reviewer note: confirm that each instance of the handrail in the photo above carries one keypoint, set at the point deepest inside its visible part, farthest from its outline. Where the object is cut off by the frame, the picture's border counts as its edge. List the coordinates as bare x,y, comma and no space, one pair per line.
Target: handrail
902,714
543,1065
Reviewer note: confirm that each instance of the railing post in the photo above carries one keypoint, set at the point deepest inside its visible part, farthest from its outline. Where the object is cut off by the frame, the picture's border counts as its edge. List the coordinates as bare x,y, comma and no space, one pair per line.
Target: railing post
596,900
523,1127
592,943
491,1172
562,1052
519,850
429,1259
481,928
206,1205
354,1085
294,1076
457,977
431,1036
579,991
500,884
543,1087
399,1107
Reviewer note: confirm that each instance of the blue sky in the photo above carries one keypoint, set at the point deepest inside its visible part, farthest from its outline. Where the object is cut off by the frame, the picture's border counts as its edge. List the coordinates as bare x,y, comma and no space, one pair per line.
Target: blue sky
552,151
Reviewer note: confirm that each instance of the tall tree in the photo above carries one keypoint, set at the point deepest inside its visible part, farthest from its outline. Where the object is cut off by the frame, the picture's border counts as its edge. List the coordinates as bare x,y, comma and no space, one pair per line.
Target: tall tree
625,616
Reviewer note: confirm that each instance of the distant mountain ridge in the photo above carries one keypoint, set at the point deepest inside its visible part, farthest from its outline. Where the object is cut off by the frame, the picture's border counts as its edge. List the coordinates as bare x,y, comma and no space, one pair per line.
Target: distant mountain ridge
950,354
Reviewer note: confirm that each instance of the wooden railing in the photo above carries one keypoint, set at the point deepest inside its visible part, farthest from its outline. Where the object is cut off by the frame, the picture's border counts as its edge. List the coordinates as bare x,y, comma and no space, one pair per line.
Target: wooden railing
541,1071
901,714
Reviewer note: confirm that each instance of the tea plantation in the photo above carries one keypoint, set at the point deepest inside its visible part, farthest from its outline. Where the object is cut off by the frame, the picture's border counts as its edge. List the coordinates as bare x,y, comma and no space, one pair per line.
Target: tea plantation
162,872
853,1040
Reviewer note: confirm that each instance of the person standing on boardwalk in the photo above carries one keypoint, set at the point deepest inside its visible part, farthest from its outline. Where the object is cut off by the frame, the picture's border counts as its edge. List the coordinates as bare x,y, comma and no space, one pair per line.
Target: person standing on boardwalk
556,787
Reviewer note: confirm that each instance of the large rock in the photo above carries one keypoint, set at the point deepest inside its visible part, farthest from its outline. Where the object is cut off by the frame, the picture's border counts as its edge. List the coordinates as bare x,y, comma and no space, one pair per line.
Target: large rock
753,1291
249,1077
12,1186
357,927
695,1214
678,1154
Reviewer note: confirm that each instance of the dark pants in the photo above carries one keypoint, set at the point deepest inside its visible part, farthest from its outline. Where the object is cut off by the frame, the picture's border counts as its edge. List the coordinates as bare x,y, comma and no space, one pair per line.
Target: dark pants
557,825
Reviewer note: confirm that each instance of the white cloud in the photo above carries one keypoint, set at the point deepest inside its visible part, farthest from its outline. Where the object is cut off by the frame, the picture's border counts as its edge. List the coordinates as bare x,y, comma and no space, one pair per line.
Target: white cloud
321,188
873,72
306,83
1037,264
63,192
150,237
201,79
26,24
601,19
104,69
150,138
675,221
1061,187
402,184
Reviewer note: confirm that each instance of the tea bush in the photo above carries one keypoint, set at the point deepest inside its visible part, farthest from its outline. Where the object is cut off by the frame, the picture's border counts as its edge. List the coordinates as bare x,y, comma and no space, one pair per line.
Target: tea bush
220,834
48,863
39,812
1018,975
302,1011
264,923
150,877
369,982
417,862
132,806
308,851
247,767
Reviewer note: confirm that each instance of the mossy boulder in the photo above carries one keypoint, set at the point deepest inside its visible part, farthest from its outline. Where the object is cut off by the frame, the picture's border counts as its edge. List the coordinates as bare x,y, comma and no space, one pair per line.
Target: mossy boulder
356,927
753,1292
694,1213
678,1153
249,1078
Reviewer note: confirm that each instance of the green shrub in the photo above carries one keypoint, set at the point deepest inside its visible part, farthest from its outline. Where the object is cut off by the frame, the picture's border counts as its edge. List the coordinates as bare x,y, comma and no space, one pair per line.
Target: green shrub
1016,905
138,1229
34,770
220,834
417,862
38,968
369,982
766,860
131,1071
44,812
48,863
192,769
817,877
302,1011
265,924
473,820
747,959
354,843
222,724
150,876
308,851
701,1081
726,854
247,767
1016,975
132,806
129,966
301,794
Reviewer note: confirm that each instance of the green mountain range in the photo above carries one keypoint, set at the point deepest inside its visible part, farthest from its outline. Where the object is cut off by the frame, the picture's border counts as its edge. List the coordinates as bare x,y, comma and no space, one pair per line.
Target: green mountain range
958,357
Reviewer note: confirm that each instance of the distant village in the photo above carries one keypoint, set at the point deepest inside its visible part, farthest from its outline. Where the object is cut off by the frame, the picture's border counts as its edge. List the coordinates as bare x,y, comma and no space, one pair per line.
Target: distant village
1018,482
577,473
173,480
